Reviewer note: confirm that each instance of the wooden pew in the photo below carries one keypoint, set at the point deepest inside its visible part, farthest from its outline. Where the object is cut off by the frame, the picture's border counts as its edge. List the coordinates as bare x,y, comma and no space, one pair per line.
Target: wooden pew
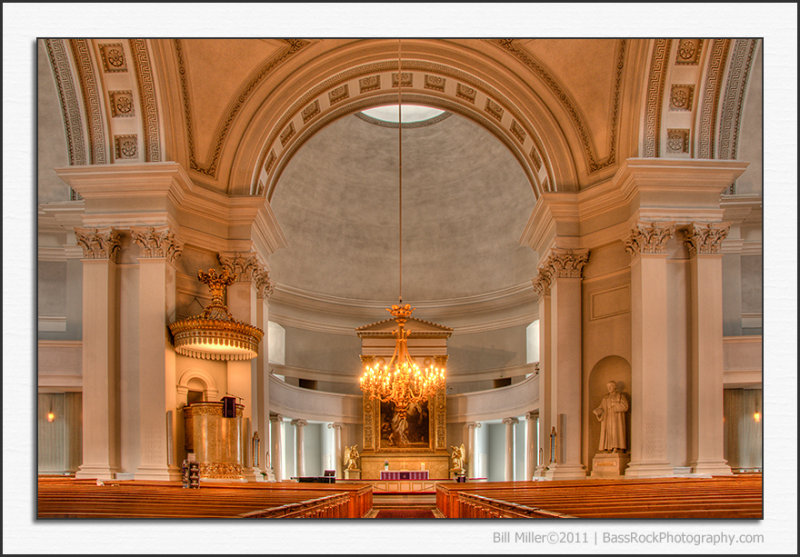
60,498
719,497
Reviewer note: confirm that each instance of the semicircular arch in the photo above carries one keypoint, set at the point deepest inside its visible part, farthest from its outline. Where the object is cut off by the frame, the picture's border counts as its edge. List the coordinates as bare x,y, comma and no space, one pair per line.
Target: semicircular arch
524,125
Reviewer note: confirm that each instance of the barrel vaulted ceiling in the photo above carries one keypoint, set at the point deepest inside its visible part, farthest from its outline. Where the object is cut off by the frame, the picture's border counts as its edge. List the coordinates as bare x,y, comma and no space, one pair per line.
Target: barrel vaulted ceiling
275,118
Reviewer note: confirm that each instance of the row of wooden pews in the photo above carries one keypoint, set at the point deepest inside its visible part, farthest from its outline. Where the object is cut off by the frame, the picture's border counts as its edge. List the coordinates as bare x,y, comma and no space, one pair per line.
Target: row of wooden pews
738,496
72,498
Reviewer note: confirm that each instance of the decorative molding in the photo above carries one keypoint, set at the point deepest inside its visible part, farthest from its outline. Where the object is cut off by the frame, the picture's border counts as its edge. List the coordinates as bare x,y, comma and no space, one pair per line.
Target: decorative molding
541,284
705,239
293,46
246,266
435,82
287,134
113,56
735,89
92,104
408,79
98,243
339,94
369,83
68,98
465,92
688,51
309,112
649,238
710,101
440,417
494,110
147,99
655,95
565,263
157,242
677,141
681,96
121,104
126,147
610,302
264,286
370,416
510,46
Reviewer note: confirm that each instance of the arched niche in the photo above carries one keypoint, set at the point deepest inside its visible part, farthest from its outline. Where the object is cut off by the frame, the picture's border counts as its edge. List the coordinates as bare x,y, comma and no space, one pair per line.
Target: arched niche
192,379
610,368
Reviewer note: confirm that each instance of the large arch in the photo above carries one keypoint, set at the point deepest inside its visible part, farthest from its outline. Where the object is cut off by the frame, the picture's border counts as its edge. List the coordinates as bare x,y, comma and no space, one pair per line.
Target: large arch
357,75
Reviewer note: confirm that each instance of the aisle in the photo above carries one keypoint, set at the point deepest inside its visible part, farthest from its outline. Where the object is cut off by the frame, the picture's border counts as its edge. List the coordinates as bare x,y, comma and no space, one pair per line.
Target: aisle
404,506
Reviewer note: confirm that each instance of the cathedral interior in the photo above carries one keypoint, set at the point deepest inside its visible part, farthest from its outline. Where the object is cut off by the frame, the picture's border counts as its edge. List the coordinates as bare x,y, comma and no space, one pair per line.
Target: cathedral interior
579,230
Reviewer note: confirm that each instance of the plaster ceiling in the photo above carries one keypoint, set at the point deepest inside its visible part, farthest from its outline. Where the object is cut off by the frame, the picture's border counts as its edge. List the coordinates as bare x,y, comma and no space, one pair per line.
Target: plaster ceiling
465,203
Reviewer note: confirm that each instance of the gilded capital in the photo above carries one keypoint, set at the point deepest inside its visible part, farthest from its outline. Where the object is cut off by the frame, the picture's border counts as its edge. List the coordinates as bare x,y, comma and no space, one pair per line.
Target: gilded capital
649,238
98,243
705,239
157,241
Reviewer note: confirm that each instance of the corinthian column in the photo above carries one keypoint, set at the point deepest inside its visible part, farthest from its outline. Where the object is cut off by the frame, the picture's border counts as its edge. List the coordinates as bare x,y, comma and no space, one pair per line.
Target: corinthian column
706,434
649,374
299,427
472,441
509,475
157,254
277,449
100,361
531,446
337,448
564,270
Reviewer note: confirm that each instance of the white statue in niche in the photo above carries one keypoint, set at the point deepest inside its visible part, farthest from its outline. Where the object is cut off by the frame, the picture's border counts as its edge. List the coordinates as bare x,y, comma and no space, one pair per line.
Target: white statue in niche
611,415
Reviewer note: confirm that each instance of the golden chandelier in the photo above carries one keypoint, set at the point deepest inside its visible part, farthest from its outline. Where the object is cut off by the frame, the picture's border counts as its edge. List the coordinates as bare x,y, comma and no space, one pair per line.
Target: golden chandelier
215,334
401,381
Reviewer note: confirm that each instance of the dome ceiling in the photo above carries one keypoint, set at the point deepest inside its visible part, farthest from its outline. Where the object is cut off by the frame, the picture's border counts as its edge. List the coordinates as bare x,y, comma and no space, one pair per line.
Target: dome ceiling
465,203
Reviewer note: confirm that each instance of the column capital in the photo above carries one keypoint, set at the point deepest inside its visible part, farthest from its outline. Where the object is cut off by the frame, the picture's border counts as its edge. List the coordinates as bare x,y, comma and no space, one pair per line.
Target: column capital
244,265
530,416
541,283
649,238
561,263
299,422
156,242
335,425
705,238
98,243
473,425
275,417
510,421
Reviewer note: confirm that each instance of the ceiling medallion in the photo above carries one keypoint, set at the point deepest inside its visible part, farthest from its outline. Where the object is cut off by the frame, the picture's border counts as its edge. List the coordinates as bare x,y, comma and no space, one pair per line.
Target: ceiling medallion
215,334
401,381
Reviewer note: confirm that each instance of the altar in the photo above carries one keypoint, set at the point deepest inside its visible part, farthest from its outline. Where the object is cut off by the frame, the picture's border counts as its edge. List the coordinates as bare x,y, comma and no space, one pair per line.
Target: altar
404,474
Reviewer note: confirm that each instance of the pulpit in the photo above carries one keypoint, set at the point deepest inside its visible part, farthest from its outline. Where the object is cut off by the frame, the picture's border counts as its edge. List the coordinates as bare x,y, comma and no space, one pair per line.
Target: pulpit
215,440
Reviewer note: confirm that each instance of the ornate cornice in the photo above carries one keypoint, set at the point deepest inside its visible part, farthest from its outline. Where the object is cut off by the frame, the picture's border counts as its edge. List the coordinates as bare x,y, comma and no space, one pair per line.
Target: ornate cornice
68,98
93,104
710,100
570,105
147,95
735,88
649,238
705,239
655,94
157,241
98,243
293,46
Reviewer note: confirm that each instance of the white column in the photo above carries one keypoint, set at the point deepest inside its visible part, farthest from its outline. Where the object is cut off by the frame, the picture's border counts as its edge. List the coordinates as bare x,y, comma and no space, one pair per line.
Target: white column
565,269
706,407
542,286
299,427
509,475
531,446
472,442
277,450
262,371
100,367
158,250
337,448
649,373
